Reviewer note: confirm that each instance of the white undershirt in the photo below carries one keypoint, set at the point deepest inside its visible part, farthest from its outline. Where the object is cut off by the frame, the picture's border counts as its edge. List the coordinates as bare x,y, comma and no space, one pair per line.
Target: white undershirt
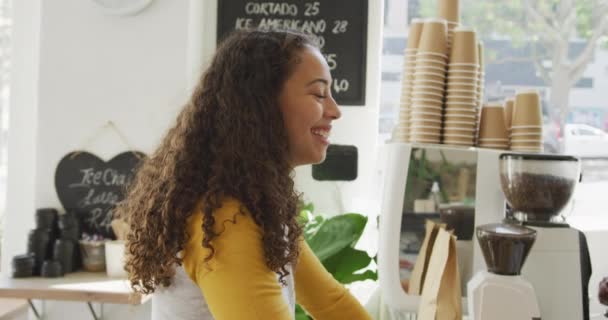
183,299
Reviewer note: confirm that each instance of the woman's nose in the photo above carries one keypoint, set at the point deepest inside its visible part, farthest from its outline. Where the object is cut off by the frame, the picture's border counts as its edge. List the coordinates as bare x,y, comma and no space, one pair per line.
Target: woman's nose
332,110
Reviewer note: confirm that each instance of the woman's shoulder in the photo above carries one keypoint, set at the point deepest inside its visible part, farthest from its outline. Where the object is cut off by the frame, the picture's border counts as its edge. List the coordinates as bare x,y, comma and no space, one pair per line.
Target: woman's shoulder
230,210
235,231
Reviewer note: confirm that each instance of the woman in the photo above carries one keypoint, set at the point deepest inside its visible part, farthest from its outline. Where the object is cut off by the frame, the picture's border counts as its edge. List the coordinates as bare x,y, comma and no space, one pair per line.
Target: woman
218,197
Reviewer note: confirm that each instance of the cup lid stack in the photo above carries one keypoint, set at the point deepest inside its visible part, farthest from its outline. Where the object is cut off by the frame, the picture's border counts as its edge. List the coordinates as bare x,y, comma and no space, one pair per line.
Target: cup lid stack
461,110
493,133
402,133
429,80
526,132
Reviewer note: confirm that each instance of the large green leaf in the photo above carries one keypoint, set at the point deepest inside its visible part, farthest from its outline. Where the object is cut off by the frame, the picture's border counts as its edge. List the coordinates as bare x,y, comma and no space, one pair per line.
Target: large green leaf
346,262
336,233
367,275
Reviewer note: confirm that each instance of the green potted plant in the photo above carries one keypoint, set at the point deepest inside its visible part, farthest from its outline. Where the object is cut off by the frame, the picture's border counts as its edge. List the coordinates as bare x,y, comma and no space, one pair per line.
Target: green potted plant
333,241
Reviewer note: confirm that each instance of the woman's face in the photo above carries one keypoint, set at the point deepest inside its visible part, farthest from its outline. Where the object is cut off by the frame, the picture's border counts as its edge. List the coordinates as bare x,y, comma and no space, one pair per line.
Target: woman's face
308,108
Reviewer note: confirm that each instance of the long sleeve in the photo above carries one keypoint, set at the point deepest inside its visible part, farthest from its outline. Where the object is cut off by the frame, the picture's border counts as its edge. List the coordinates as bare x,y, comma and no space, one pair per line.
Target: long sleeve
239,284
320,294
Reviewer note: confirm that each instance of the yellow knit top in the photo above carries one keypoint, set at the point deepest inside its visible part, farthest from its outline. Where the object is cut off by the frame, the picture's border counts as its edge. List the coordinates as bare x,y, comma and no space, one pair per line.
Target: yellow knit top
238,285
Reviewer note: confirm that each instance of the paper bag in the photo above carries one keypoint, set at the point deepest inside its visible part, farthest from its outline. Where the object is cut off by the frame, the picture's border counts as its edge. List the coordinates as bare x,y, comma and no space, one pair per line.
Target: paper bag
418,273
441,298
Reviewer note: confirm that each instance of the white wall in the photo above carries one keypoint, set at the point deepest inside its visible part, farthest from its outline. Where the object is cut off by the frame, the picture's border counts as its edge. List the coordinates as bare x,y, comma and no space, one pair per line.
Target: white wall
23,124
75,69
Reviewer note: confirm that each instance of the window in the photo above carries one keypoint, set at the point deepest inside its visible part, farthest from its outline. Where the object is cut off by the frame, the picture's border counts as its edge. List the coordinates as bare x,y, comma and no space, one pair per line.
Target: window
525,48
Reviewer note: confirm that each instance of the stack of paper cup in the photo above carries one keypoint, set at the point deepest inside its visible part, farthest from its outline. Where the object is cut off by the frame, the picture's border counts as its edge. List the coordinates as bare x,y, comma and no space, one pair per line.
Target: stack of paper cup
403,124
429,80
509,112
450,11
493,133
526,125
460,119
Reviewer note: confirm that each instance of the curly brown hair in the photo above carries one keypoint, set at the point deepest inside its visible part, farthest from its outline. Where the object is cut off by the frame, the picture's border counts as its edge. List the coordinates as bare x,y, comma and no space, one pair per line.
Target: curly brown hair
228,141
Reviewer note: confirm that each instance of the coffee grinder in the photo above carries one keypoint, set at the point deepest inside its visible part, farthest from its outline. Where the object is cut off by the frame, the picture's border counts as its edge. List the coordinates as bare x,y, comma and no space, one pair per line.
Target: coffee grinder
501,293
537,187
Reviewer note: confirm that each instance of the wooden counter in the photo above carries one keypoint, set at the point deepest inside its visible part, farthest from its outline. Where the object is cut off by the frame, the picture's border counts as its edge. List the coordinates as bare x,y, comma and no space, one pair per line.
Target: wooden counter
79,286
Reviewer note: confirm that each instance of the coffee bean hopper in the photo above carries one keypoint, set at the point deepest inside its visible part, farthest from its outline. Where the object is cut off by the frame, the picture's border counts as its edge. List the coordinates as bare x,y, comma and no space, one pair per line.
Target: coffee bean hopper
537,188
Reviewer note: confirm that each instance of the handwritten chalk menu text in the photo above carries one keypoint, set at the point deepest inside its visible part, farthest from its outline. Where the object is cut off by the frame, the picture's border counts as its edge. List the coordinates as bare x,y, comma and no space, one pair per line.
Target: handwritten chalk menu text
91,187
338,26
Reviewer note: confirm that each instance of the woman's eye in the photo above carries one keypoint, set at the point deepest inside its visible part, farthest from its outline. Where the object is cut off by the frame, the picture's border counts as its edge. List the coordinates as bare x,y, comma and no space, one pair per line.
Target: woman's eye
320,96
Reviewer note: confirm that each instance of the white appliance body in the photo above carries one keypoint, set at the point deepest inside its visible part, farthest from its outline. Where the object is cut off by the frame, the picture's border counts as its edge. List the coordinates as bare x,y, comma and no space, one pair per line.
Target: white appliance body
498,297
553,267
489,208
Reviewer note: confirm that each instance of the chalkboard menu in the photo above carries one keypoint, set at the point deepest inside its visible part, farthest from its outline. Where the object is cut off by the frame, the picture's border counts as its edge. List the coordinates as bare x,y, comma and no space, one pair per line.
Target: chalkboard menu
91,187
338,26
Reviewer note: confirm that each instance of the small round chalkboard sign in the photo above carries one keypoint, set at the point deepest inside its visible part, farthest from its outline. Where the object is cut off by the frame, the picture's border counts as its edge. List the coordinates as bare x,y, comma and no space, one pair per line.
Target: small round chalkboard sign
91,187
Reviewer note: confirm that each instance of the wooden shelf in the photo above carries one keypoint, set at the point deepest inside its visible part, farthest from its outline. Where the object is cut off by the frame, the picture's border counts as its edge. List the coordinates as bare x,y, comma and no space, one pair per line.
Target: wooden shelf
78,286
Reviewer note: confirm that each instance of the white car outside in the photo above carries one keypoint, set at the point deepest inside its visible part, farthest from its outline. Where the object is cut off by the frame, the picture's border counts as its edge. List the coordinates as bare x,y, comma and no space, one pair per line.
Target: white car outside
585,141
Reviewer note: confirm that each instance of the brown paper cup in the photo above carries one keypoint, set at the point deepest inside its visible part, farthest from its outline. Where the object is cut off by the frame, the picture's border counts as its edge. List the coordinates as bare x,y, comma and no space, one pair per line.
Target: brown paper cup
428,76
459,139
427,95
427,108
426,122
432,56
425,137
526,110
430,83
458,131
471,79
461,105
463,66
433,89
462,85
462,92
529,144
464,46
526,129
425,130
480,53
434,36
449,10
413,39
426,115
429,68
460,99
492,122
508,112
461,124
463,74
459,117
527,136
462,111
494,140
432,101
431,61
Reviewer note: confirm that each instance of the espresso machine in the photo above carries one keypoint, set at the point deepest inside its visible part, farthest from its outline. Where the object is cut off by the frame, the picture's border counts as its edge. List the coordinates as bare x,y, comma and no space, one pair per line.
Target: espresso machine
537,188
